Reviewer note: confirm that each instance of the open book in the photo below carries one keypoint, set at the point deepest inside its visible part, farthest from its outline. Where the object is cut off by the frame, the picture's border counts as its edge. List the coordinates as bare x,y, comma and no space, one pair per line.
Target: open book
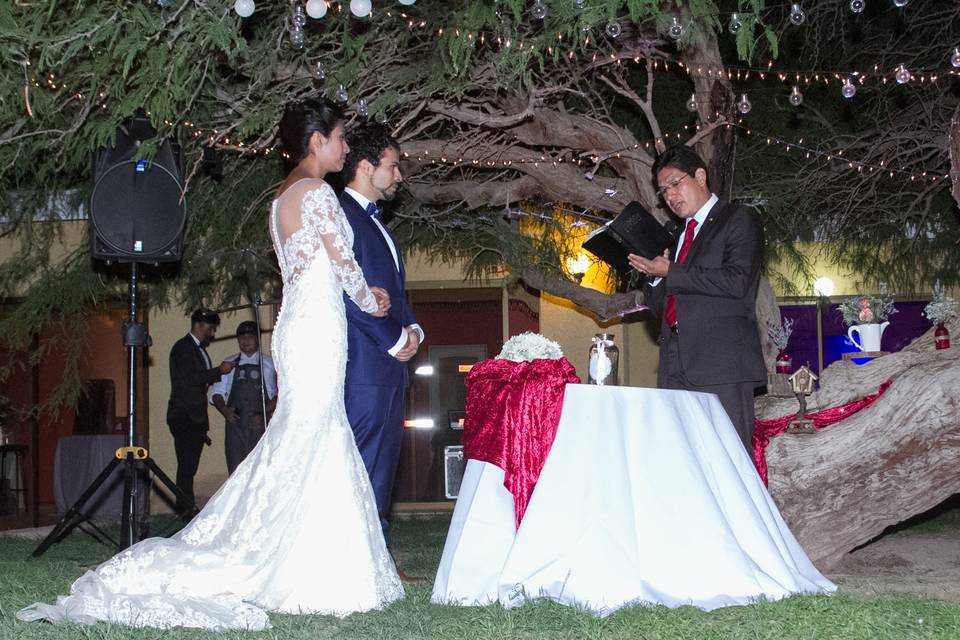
633,230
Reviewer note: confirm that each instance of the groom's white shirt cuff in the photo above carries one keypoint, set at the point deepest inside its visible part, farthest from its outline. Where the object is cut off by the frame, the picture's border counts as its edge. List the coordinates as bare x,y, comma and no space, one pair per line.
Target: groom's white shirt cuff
403,339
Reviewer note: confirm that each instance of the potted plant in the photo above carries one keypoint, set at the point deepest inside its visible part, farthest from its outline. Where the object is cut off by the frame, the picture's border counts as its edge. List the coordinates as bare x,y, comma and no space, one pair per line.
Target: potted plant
941,309
866,316
780,336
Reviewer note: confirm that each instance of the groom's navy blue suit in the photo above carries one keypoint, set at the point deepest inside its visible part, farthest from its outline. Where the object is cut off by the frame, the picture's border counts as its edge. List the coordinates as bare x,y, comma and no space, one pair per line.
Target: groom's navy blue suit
375,380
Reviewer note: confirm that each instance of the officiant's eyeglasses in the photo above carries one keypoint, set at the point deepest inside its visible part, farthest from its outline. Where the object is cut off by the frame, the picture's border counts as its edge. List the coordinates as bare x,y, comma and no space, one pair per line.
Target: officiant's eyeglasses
671,185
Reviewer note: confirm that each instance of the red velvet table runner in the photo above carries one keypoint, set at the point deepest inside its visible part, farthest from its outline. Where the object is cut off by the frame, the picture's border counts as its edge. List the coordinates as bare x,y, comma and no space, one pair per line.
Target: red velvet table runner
763,430
512,413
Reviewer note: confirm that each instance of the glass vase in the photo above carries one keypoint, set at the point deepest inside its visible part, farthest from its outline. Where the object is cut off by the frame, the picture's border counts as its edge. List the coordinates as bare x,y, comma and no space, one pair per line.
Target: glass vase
784,362
941,337
604,360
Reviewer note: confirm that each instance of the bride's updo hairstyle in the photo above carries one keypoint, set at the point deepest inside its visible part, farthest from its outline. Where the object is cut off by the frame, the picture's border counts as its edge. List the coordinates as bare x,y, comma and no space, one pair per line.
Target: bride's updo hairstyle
301,120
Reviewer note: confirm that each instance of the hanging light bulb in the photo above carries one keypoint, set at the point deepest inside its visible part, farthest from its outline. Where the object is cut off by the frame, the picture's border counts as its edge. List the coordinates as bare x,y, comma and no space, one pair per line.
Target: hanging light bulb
613,29
316,9
362,109
319,71
900,3
407,3
955,57
692,103
380,117
297,15
735,24
360,8
797,15
796,98
296,36
538,11
744,105
857,6
903,74
244,8
848,90
676,29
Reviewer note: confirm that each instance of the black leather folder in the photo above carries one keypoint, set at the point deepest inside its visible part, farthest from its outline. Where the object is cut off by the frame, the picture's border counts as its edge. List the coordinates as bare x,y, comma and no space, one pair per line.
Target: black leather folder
633,230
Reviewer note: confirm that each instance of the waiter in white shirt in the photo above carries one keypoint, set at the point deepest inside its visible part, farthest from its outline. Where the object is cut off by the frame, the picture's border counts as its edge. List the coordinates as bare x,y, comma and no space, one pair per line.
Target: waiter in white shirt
242,394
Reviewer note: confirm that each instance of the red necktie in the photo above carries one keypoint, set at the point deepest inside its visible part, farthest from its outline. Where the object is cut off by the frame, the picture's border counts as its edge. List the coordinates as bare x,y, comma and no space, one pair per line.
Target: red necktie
670,312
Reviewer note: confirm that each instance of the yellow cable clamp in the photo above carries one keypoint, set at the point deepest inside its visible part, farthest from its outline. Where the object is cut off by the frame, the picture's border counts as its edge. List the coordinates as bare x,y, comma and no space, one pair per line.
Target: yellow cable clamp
139,453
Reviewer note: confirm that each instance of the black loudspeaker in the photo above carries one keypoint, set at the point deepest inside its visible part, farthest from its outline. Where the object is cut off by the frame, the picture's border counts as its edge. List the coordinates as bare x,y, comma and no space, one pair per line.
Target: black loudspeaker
138,212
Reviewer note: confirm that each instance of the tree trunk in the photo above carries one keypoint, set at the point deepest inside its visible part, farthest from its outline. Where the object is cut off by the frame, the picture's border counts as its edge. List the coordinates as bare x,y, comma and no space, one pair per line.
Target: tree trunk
843,485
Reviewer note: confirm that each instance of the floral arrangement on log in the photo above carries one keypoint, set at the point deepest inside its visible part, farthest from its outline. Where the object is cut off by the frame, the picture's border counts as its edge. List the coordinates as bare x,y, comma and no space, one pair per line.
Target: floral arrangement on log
866,309
942,308
780,335
529,346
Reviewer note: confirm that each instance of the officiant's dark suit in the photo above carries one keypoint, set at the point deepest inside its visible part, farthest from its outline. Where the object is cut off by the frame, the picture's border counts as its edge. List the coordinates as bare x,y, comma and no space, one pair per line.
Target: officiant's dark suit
708,333
191,372
378,348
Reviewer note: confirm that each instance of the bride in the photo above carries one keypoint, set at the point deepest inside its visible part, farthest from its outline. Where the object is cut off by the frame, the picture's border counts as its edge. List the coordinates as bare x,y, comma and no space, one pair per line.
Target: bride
295,528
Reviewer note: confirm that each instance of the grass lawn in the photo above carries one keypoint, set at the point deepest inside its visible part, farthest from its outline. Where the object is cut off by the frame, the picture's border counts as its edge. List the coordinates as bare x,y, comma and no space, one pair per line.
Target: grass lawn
419,542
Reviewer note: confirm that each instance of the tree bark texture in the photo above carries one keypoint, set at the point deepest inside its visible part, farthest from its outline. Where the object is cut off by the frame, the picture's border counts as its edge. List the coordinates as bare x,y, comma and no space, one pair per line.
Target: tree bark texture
842,486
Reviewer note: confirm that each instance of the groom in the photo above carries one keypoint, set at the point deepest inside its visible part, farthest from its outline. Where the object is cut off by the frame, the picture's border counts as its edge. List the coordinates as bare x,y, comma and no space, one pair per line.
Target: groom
378,348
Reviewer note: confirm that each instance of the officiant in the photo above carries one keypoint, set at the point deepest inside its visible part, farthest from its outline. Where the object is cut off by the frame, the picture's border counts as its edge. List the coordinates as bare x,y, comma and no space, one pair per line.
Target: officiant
706,288
241,395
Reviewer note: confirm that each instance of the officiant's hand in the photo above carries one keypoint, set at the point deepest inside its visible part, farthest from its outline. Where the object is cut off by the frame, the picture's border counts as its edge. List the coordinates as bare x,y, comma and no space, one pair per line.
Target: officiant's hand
383,301
656,268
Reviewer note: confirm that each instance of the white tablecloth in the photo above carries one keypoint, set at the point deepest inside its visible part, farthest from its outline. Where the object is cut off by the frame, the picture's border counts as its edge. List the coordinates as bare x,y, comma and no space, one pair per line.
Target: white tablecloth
647,496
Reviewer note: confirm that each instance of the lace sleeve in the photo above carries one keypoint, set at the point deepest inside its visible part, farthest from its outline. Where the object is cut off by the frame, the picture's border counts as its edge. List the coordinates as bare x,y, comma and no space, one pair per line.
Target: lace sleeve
324,231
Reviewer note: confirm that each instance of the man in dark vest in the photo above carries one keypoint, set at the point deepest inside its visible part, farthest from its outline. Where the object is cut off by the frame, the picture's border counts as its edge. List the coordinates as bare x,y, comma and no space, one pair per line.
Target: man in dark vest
191,373
241,395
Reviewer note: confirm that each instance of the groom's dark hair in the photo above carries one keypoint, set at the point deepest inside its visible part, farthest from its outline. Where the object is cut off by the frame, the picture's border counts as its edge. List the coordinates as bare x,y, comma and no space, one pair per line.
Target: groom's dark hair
367,142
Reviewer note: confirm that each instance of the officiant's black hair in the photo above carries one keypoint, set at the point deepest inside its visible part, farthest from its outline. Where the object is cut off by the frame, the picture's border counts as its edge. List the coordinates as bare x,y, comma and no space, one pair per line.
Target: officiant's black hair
301,120
681,157
367,142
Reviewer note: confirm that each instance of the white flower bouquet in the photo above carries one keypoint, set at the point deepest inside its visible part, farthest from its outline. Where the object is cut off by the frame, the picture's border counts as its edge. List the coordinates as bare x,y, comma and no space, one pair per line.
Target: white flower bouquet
942,308
529,346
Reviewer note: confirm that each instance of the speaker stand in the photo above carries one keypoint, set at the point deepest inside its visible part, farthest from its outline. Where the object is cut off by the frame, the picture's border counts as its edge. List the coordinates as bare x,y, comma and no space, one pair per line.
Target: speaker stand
132,457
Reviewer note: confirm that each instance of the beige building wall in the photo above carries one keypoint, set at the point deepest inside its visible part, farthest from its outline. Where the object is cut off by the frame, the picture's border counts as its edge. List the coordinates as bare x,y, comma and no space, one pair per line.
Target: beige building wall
560,320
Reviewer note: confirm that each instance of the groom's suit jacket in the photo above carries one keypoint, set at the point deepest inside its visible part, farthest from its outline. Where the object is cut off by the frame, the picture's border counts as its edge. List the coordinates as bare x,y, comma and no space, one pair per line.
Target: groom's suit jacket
715,289
369,338
189,379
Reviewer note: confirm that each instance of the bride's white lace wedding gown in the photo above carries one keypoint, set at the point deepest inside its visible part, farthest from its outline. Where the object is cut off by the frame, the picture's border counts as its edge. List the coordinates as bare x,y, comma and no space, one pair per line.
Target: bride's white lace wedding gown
295,528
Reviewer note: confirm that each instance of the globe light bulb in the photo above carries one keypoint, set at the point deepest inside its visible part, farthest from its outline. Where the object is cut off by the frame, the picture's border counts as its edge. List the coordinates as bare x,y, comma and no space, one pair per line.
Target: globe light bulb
342,95
613,29
579,4
360,8
796,98
900,3
857,6
380,117
903,74
955,57
319,71
692,103
407,3
538,11
244,8
848,90
735,24
744,105
797,15
676,29
316,9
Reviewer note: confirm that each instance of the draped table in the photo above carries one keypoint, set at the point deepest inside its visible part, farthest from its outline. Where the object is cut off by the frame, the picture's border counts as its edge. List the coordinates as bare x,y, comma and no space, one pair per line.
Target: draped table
646,496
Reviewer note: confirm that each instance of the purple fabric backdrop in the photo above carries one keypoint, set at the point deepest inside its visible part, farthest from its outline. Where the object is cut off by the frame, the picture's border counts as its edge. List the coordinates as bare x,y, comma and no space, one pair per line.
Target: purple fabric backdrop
905,325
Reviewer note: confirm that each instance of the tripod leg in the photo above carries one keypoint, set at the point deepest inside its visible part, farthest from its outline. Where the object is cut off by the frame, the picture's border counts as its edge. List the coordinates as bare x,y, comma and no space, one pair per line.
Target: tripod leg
75,515
129,533
180,499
